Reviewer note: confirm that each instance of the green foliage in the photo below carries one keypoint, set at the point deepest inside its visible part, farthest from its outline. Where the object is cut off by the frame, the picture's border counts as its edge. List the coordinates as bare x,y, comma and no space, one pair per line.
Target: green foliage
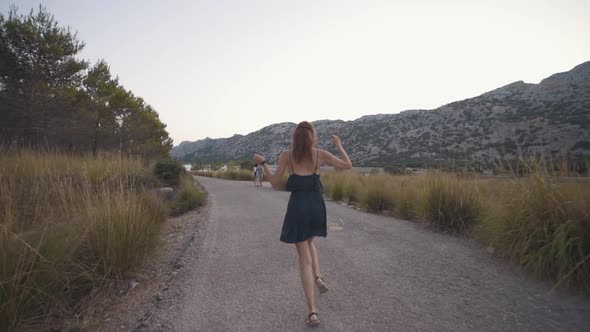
197,165
48,99
247,165
216,166
188,197
233,163
168,171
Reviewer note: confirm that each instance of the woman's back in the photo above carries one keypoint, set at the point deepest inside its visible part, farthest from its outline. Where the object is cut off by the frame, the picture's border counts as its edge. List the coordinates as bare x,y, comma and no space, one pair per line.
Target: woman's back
305,166
304,177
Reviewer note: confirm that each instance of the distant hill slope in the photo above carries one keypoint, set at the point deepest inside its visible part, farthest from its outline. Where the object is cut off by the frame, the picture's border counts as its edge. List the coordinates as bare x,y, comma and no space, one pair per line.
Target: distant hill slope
519,118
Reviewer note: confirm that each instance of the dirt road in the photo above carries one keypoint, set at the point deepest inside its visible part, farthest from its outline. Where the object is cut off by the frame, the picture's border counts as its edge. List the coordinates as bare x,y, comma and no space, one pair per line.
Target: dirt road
383,274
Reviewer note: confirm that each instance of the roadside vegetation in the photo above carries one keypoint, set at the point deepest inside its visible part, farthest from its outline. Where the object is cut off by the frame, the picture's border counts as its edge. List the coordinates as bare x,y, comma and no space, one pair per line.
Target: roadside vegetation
81,201
231,174
538,220
188,197
72,225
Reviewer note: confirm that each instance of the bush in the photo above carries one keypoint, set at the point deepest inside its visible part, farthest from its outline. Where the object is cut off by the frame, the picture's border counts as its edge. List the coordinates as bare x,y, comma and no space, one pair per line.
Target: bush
544,226
394,169
247,165
168,171
337,192
188,197
406,196
449,205
379,195
69,225
354,188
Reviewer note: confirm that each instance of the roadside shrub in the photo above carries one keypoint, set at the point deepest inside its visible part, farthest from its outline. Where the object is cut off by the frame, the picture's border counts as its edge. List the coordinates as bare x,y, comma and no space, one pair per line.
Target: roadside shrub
121,227
343,185
337,191
406,196
449,205
394,169
378,196
168,171
544,226
354,188
69,225
247,165
188,197
203,173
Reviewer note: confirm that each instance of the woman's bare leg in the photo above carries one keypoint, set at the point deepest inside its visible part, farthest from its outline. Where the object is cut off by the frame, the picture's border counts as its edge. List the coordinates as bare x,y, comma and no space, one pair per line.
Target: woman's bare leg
315,262
306,272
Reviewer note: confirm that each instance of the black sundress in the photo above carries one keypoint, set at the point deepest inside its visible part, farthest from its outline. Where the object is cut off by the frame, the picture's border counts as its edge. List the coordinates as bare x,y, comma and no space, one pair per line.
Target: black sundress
306,212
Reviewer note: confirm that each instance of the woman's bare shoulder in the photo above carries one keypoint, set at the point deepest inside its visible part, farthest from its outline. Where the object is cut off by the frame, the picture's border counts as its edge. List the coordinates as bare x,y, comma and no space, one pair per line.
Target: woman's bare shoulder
322,152
323,155
284,154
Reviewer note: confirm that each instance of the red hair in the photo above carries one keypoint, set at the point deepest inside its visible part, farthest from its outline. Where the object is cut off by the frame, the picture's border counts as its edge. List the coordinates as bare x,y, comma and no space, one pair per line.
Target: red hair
304,139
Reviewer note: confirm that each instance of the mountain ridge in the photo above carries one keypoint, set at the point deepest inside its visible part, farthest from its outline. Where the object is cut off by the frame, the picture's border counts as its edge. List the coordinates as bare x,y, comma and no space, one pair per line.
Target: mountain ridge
518,118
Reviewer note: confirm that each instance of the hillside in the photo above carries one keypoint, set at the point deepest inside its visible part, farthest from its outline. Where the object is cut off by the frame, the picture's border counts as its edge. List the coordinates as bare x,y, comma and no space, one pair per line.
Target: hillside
519,118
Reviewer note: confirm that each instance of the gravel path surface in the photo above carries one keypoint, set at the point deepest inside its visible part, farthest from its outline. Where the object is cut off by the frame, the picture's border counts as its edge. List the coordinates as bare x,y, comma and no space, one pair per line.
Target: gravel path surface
384,275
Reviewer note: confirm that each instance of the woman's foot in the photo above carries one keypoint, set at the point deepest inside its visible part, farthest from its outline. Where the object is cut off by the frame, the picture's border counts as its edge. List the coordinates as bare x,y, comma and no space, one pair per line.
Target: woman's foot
319,281
313,319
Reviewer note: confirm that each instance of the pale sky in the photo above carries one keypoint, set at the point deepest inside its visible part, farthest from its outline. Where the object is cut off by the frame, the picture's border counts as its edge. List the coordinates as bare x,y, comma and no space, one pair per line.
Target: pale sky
216,68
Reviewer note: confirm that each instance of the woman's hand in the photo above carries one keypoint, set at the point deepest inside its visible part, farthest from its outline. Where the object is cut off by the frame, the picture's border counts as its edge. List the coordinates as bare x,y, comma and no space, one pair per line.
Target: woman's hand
258,158
336,141
334,161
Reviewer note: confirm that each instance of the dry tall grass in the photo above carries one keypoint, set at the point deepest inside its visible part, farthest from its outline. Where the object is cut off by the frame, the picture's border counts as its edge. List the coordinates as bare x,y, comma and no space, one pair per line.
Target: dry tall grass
69,225
543,224
188,197
449,203
540,221
240,175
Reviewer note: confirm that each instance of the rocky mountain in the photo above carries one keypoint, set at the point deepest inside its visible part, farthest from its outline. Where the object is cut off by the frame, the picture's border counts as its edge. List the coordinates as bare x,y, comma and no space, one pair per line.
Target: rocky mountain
550,118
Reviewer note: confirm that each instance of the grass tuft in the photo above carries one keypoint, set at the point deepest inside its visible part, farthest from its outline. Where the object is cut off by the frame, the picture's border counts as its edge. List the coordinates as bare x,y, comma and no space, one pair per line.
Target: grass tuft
379,194
69,225
539,220
543,225
450,204
188,197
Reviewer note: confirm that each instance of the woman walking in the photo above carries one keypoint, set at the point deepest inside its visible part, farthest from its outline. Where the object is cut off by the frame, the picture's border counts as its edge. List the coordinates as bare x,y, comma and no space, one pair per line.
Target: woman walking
259,174
306,211
255,175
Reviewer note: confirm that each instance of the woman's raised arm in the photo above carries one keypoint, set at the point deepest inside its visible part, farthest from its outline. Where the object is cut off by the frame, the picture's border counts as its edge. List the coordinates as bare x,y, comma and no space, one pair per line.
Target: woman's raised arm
332,160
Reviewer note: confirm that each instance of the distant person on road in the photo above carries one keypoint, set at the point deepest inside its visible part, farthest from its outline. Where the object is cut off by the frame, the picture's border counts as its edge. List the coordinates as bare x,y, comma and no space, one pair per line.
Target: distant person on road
254,175
259,174
306,211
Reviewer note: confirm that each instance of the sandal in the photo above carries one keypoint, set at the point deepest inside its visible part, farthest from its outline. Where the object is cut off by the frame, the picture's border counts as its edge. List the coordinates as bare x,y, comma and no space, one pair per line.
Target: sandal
319,281
314,322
